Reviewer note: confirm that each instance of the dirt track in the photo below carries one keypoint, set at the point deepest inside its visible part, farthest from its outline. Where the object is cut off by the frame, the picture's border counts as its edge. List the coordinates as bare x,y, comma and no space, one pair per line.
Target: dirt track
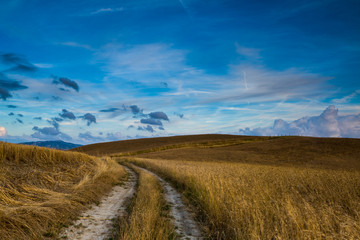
96,223
184,222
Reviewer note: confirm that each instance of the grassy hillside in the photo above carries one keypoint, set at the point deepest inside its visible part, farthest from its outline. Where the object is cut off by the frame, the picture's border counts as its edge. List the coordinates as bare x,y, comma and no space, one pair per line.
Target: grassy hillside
42,189
255,201
134,145
335,153
258,187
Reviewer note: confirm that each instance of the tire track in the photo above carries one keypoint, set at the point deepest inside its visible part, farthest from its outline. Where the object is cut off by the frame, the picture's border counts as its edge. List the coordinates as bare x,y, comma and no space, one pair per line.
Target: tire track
97,222
185,225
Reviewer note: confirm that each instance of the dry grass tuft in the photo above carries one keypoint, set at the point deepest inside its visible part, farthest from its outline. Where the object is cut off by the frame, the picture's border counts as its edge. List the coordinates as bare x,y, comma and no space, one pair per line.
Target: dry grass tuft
251,201
42,189
148,218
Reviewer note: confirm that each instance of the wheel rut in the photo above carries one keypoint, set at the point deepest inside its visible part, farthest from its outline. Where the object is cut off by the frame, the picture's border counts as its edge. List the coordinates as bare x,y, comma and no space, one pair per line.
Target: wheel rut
186,226
96,223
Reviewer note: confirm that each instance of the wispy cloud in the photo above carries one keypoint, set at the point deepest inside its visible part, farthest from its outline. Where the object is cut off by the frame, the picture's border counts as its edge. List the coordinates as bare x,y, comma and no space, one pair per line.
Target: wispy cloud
135,61
106,10
78,45
346,98
265,85
186,8
253,53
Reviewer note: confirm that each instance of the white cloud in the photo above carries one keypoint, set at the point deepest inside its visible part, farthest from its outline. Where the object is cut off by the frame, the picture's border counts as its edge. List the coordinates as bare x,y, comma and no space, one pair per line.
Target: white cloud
347,98
2,132
141,59
43,65
106,10
327,124
253,53
260,84
78,45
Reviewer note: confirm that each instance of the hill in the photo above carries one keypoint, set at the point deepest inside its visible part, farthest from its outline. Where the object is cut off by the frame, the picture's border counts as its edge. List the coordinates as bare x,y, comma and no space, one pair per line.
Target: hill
53,144
335,153
244,187
99,149
42,189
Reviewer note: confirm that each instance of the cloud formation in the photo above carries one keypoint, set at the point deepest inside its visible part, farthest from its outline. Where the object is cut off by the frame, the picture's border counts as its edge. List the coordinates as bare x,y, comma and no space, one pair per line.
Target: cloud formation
151,121
159,115
89,118
254,83
53,131
135,109
67,114
50,133
88,137
154,118
2,132
66,82
7,85
147,128
327,124
17,62
11,106
106,10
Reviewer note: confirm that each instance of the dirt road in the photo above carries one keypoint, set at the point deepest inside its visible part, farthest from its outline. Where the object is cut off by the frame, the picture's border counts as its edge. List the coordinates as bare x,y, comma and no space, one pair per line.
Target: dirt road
184,221
97,222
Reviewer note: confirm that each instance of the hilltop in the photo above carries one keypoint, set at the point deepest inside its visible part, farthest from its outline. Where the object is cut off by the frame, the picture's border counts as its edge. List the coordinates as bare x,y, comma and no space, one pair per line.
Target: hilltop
335,153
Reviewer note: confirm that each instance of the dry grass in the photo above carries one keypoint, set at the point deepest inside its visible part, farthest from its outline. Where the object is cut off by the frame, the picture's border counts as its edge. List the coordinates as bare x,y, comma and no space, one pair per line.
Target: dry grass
126,146
42,189
260,188
148,219
328,153
198,145
252,201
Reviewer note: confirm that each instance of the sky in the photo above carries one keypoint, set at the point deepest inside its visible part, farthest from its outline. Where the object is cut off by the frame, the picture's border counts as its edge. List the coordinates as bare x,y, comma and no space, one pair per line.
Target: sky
90,71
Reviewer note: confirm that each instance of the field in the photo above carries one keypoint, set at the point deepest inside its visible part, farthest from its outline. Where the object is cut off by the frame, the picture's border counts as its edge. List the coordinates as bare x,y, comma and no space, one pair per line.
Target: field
247,201
148,216
41,189
235,187
264,188
132,146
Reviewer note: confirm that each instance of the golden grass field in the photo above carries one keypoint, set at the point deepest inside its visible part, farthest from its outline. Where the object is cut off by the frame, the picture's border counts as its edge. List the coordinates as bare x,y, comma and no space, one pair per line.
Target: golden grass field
148,215
131,146
42,189
252,201
264,188
240,187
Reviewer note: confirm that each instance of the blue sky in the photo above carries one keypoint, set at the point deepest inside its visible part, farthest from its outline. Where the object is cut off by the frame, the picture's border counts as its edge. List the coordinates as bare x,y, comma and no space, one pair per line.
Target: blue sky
91,71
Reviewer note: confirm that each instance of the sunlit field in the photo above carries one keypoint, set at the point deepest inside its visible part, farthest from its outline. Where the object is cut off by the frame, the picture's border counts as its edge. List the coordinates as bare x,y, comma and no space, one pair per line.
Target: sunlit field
148,212
41,189
252,201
